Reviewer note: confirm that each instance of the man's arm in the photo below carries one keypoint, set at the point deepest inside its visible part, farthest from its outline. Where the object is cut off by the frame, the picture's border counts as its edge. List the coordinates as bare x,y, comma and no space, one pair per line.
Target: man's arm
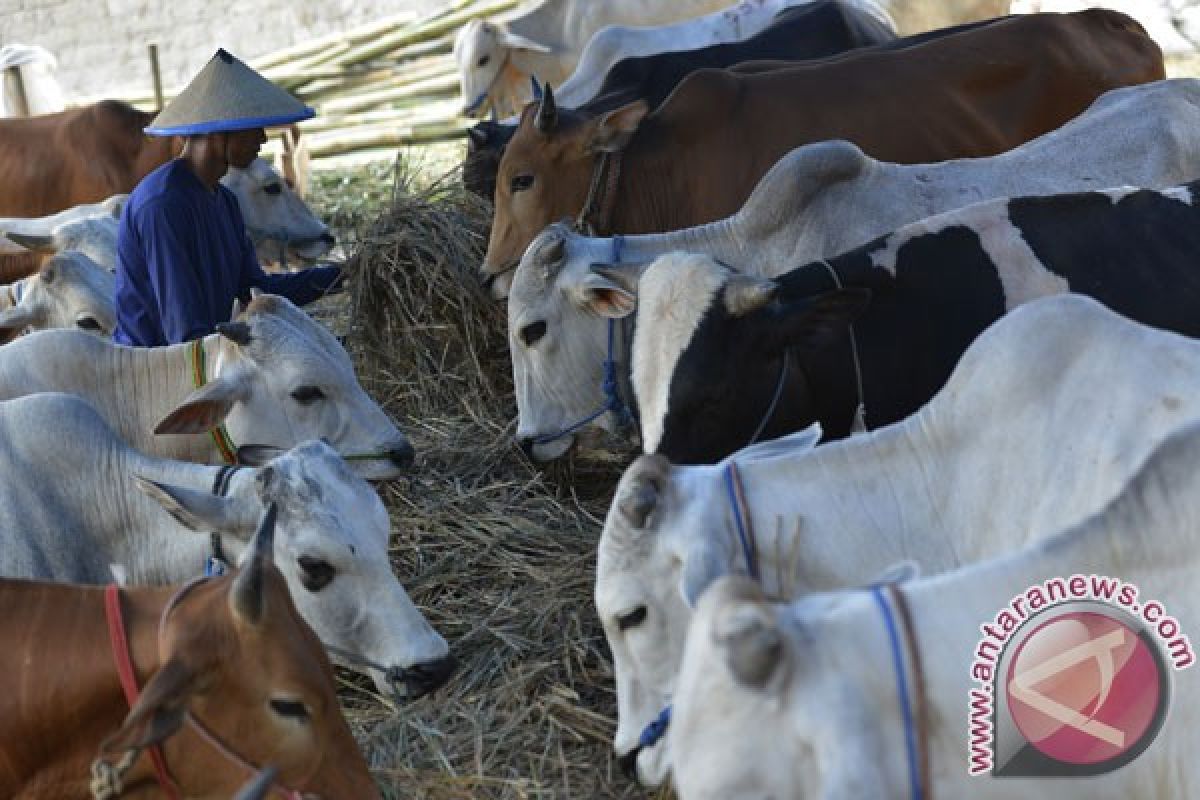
172,267
300,287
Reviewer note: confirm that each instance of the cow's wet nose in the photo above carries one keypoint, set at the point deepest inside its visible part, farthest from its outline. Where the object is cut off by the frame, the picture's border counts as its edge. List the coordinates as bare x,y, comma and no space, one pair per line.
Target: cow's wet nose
526,444
628,763
329,239
402,455
430,675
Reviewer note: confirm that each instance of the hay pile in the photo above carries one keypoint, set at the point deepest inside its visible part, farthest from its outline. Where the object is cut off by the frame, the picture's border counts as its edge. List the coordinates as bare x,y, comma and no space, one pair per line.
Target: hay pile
499,555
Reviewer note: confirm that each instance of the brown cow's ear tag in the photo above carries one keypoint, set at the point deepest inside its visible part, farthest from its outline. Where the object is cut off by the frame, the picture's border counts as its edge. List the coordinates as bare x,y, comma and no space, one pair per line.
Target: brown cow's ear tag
613,131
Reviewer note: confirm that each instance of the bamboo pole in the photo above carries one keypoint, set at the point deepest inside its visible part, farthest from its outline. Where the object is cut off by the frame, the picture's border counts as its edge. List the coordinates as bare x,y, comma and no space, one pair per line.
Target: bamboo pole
357,35
422,31
156,76
12,77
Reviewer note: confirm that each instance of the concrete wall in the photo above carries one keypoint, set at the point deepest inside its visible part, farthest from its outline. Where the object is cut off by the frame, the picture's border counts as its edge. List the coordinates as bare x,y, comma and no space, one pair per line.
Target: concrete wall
101,44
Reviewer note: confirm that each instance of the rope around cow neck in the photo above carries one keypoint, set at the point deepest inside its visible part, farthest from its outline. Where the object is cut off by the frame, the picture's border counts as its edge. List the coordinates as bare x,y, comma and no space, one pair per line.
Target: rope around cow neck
859,423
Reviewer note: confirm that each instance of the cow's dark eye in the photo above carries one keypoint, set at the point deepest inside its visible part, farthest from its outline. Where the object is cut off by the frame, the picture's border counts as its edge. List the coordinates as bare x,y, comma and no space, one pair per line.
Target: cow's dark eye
483,61
532,332
87,324
632,619
521,183
292,709
307,395
273,188
315,574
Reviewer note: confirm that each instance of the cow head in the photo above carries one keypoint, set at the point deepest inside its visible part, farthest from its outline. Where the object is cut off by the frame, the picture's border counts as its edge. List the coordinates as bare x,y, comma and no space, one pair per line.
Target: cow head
236,656
485,146
332,547
694,313
93,235
276,218
281,378
557,326
482,51
785,701
545,172
68,291
668,534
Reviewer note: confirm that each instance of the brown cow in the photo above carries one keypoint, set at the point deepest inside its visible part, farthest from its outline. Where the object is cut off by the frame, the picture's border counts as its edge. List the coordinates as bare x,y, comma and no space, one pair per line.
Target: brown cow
697,158
84,155
230,654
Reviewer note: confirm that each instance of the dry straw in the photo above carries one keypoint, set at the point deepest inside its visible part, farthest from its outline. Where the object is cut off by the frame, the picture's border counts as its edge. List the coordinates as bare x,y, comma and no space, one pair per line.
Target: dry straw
499,555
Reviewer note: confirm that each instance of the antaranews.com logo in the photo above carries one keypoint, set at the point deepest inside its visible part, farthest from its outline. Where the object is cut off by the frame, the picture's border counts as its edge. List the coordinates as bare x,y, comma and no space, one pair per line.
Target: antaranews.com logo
1072,679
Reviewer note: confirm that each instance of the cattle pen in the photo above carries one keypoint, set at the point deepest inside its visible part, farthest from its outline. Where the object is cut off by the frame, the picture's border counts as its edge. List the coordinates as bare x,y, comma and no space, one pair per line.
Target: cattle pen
498,553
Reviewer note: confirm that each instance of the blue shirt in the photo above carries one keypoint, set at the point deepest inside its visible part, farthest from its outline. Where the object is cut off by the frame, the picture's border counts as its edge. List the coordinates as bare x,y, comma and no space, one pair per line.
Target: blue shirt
183,256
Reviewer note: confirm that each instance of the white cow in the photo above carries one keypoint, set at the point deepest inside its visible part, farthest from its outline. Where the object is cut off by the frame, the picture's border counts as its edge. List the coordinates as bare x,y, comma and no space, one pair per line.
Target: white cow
89,229
1045,418
497,60
69,290
71,510
617,42
1173,24
818,201
40,89
803,700
273,376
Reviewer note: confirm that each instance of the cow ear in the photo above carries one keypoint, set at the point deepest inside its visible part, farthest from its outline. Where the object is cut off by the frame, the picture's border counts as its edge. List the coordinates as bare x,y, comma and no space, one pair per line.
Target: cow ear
516,41
205,408
641,488
159,711
752,643
201,511
606,293
34,243
613,130
14,320
812,321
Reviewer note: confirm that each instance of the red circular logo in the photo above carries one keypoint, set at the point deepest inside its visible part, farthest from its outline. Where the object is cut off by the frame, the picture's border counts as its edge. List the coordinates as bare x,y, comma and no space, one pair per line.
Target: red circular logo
1084,688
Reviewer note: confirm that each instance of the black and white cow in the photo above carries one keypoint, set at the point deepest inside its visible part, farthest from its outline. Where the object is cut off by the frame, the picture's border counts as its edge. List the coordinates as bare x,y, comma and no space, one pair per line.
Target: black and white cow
718,356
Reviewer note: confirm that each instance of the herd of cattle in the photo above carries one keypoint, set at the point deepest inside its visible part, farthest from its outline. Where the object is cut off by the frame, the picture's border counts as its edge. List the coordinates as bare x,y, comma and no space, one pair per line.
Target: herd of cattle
727,237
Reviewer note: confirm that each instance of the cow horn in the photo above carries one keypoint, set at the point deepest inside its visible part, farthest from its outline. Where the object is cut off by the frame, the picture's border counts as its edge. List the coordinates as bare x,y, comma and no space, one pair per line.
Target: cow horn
259,787
536,88
744,294
547,113
237,332
752,643
477,136
246,595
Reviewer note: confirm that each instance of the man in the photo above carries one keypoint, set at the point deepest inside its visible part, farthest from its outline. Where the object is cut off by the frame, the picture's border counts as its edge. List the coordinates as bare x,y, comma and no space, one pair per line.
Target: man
183,255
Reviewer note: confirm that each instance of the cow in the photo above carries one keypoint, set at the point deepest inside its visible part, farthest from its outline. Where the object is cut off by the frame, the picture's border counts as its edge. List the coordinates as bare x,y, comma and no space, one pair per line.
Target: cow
699,155
496,60
819,201
90,229
933,287
1170,23
810,30
230,677
633,47
110,524
1006,453
808,699
68,291
272,376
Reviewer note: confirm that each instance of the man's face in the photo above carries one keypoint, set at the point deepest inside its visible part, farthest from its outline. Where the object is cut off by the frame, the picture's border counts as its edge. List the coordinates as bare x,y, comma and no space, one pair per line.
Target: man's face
241,147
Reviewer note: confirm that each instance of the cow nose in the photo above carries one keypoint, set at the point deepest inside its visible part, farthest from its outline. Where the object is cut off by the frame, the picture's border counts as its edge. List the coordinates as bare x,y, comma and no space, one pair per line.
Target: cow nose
628,763
526,444
328,238
402,455
487,279
429,675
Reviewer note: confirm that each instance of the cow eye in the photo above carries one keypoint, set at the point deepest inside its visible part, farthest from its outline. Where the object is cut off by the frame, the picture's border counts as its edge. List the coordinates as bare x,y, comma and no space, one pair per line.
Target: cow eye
307,395
483,61
521,183
532,332
87,324
632,619
292,709
273,188
315,574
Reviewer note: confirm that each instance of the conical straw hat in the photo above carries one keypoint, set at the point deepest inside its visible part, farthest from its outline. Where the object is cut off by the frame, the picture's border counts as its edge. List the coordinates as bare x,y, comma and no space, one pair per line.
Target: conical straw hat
227,96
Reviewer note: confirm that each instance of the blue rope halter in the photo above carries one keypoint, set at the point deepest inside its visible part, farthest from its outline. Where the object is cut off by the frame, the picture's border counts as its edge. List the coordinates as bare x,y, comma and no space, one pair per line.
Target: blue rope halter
609,384
917,788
